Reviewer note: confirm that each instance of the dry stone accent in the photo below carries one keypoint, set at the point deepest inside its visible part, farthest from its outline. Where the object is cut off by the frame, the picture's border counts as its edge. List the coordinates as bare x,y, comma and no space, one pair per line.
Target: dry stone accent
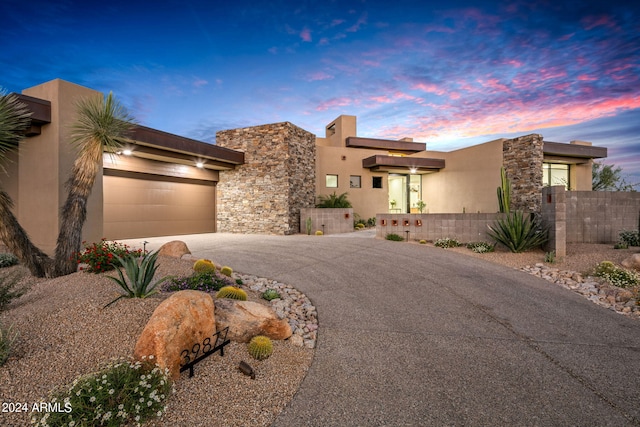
278,178
522,159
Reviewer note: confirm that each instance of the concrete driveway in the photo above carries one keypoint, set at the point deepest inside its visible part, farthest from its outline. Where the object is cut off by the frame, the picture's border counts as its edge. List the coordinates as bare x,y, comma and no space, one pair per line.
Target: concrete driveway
419,336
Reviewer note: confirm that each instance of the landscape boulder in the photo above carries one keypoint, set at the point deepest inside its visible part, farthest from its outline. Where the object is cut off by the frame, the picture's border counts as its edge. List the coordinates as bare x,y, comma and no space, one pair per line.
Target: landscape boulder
633,262
247,319
182,320
175,248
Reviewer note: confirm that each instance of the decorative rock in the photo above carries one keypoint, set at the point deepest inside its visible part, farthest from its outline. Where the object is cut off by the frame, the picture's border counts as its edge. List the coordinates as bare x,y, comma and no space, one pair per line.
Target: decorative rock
247,319
175,249
182,320
633,262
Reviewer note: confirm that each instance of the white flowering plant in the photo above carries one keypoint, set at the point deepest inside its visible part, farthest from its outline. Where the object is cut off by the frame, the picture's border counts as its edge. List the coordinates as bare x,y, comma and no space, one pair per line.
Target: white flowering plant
124,393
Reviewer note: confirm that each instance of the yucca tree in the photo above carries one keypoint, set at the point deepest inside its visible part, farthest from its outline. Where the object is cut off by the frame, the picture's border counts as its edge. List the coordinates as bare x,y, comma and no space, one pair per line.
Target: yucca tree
102,125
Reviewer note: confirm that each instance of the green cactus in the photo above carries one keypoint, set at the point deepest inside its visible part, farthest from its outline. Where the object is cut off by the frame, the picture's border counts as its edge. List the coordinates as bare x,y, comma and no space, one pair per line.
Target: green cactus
204,266
504,192
308,223
270,294
319,233
226,270
260,347
232,292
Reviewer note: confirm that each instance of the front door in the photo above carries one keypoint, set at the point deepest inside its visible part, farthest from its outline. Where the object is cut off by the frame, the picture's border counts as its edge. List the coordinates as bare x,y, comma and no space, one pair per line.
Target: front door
404,193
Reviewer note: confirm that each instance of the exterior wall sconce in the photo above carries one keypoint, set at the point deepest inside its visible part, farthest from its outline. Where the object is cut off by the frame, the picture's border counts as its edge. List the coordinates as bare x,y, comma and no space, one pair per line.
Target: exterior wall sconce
418,223
405,222
344,157
413,170
394,222
383,222
346,216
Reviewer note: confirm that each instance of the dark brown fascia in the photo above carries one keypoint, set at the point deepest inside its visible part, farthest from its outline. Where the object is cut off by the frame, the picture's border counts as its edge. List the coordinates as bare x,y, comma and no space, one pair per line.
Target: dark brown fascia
380,162
157,141
40,113
573,150
386,144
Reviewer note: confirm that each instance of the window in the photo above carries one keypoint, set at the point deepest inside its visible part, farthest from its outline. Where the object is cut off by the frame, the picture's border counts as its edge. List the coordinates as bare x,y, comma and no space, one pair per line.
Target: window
354,181
331,181
555,174
377,182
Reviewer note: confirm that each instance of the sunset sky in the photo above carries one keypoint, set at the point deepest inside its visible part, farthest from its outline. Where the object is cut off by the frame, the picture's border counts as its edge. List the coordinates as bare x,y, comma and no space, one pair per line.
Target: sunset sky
448,73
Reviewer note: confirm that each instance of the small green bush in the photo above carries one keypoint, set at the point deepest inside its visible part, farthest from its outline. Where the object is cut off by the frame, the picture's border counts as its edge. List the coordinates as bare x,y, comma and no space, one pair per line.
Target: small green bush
446,242
8,260
481,247
519,231
124,393
371,222
140,276
7,339
102,256
270,294
394,237
621,244
206,282
9,289
333,201
617,276
550,257
631,238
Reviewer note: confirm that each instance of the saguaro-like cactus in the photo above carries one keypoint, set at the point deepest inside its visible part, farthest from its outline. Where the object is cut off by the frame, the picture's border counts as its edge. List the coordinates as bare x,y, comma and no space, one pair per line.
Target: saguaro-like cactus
504,192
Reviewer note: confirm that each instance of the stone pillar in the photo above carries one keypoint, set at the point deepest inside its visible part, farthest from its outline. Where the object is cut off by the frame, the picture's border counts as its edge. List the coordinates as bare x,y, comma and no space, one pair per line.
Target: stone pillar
522,160
278,178
554,216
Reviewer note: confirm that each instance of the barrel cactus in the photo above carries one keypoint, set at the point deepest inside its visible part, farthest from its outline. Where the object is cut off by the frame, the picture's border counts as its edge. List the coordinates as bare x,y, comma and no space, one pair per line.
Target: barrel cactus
226,270
260,347
204,266
232,292
319,233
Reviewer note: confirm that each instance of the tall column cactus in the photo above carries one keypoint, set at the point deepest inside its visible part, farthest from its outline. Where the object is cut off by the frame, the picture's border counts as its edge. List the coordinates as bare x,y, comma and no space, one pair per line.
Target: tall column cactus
504,192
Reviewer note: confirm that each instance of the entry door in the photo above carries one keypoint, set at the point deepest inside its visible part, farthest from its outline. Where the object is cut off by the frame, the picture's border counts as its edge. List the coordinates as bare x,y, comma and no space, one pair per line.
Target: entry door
398,193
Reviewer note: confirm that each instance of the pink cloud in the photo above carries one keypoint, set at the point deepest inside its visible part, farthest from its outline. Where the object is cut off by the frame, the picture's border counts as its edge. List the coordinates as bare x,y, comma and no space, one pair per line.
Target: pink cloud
359,23
591,22
333,103
305,35
429,88
318,75
586,78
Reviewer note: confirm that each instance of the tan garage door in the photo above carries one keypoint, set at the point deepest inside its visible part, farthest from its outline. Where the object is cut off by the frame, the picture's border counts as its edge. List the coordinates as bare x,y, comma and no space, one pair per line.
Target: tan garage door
147,207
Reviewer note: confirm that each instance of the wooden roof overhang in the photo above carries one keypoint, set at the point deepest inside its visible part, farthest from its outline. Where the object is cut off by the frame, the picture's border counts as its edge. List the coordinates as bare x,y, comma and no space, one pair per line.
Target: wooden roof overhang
383,163
571,153
386,144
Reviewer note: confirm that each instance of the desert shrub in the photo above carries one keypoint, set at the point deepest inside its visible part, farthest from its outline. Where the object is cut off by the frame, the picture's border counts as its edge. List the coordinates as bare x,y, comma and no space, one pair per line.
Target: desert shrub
621,244
519,231
10,288
8,260
102,256
7,339
617,276
631,238
270,294
394,237
481,247
206,282
139,274
371,222
124,393
550,257
333,201
446,242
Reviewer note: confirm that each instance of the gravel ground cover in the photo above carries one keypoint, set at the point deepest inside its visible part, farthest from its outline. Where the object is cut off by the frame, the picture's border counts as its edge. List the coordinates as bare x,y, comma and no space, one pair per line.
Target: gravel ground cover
65,332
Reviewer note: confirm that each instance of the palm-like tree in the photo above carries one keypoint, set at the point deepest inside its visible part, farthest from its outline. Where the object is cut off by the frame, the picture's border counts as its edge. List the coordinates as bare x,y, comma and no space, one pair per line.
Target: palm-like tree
102,125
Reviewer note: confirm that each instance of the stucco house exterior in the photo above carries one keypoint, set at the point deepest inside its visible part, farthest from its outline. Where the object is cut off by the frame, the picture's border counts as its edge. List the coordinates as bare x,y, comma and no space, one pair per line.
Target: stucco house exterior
257,179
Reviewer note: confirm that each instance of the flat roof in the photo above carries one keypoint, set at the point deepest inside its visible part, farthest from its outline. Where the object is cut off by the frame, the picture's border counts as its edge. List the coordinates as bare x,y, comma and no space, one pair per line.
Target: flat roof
386,144
573,150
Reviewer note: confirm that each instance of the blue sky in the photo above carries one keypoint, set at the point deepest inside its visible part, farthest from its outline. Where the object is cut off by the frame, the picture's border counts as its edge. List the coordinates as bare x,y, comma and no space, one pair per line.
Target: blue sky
450,74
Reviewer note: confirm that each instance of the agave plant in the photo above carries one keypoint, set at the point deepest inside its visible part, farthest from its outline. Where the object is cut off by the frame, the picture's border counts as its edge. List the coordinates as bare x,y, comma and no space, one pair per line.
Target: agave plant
140,273
519,232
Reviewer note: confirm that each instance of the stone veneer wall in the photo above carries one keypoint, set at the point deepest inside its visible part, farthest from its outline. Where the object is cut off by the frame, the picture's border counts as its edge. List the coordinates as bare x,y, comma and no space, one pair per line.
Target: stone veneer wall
278,178
522,160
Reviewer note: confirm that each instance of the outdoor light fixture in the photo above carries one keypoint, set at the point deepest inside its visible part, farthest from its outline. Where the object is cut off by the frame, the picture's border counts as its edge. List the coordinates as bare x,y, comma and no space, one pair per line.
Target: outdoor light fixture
127,152
413,170
199,165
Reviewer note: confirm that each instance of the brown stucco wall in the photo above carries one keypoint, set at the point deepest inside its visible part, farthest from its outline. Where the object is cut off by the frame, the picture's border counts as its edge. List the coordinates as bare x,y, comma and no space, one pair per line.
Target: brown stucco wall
265,194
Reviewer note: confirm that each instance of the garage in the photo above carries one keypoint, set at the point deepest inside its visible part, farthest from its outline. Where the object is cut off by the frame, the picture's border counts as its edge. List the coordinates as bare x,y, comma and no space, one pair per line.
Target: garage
141,205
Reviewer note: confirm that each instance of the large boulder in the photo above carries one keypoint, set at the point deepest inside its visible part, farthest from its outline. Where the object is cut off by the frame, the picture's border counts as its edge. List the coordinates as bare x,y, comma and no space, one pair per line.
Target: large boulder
182,320
174,248
633,262
247,319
